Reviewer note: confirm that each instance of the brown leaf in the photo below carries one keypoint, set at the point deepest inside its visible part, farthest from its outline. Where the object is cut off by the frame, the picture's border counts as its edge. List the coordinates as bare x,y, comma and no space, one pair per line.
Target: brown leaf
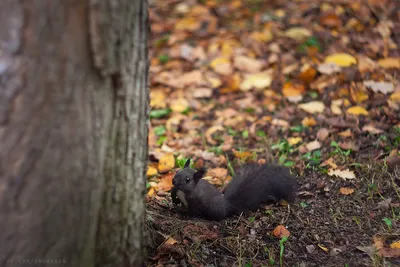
314,145
346,190
165,183
331,20
322,134
281,231
248,64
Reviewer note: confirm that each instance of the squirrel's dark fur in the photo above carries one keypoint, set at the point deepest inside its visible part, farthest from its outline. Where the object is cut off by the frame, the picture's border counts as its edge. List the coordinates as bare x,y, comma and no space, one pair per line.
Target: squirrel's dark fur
253,185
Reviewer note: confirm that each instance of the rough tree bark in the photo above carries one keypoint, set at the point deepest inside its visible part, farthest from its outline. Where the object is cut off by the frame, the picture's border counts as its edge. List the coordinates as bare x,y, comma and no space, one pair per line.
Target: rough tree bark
73,131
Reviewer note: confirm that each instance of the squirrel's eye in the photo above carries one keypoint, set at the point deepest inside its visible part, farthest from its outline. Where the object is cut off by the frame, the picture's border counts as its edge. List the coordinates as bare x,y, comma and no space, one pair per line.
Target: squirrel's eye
188,179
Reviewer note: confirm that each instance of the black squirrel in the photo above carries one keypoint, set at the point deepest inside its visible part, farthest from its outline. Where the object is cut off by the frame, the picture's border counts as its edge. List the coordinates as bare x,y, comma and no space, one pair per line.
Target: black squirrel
252,186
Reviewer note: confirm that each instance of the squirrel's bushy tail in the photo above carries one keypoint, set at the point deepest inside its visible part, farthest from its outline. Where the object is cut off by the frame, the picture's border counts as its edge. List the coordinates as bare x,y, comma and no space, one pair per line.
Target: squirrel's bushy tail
256,184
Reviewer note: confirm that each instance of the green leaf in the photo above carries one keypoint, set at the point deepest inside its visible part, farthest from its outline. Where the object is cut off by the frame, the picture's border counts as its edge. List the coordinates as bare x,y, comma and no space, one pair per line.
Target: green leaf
303,204
289,163
261,133
388,222
161,140
159,113
252,219
163,58
245,134
159,130
297,129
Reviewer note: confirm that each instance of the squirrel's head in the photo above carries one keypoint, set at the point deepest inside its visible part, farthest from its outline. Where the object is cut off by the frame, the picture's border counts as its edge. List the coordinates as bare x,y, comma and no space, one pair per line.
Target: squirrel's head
187,178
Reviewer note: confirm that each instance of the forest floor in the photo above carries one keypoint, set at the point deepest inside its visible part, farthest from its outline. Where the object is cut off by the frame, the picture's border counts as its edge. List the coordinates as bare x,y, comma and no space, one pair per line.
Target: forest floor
312,85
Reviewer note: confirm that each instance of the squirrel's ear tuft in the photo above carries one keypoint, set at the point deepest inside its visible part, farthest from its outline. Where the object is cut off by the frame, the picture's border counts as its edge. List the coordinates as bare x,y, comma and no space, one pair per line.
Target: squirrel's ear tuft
187,164
199,174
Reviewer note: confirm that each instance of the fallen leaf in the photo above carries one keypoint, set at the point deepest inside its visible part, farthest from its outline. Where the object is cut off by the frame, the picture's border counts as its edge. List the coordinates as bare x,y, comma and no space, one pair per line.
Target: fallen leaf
279,122
390,63
322,134
329,162
307,75
151,171
222,65
248,64
151,192
210,131
371,129
341,59
346,190
157,99
346,133
218,172
366,64
294,140
357,110
259,80
298,33
202,92
395,96
330,19
395,244
381,87
349,146
165,183
329,68
314,145
179,104
309,121
188,24
166,163
189,79
281,231
171,241
313,107
335,106
323,248
345,174
243,155
293,92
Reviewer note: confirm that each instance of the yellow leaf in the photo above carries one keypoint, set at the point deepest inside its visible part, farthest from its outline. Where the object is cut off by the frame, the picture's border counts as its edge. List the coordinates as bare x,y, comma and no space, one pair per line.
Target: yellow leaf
346,190
179,104
313,107
189,24
170,241
395,96
294,140
157,99
323,248
242,154
298,33
309,121
357,110
151,192
222,65
151,171
390,63
341,59
395,244
167,162
259,80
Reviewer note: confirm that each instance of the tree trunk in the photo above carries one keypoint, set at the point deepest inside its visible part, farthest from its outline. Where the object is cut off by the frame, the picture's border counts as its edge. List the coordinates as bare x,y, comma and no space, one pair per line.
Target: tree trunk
73,131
